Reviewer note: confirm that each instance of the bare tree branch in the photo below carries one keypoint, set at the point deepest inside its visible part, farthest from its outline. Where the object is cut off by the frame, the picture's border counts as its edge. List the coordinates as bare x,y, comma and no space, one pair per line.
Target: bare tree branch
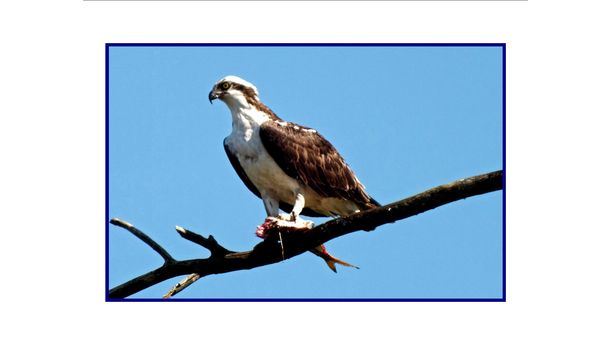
269,251
209,243
145,238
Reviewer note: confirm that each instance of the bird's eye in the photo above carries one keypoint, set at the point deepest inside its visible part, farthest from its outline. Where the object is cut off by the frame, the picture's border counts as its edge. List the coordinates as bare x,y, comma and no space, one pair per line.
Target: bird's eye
225,86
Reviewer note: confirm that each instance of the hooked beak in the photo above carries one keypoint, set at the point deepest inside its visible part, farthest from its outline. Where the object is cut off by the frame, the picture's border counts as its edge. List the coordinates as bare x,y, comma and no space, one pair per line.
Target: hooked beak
213,95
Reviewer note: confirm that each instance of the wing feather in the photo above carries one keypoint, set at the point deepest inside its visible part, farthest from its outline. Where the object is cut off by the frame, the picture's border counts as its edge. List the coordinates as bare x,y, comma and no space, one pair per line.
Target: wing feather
303,154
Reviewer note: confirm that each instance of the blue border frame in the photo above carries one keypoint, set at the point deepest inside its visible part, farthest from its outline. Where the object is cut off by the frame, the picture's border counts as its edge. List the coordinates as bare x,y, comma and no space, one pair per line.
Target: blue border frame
107,219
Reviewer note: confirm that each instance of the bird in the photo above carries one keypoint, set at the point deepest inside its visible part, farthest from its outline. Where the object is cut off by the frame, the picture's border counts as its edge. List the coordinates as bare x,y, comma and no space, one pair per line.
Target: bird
289,166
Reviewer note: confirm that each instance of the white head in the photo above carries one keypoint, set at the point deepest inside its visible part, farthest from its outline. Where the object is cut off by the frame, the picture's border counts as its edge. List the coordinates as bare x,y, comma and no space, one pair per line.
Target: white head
234,91
238,94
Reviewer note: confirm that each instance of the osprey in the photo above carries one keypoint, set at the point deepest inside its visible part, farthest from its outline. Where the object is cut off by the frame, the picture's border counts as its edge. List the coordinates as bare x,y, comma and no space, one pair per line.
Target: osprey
288,166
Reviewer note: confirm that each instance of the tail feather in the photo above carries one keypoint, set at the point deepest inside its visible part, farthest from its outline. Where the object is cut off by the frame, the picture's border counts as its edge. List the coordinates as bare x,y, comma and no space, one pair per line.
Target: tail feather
371,203
329,259
374,203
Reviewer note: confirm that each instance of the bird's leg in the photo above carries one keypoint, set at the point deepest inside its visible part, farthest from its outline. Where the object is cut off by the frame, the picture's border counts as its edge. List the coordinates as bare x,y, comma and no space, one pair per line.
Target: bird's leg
298,206
293,218
283,222
271,205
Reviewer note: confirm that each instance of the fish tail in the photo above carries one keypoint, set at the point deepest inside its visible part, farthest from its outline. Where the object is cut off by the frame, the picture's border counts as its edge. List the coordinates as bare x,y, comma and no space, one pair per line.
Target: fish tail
329,259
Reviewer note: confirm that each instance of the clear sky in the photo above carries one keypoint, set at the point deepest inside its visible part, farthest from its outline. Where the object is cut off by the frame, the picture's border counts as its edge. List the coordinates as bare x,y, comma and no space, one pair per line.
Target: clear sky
405,118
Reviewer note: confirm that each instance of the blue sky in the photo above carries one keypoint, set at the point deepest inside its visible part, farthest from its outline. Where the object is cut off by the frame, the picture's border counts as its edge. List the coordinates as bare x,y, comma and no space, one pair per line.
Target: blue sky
405,118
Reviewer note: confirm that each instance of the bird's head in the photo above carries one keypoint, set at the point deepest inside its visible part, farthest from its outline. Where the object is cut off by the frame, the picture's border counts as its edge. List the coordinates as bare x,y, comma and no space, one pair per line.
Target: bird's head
234,91
239,94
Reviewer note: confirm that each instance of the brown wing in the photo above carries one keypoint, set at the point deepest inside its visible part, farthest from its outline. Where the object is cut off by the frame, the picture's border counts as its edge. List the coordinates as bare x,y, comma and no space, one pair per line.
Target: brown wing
303,154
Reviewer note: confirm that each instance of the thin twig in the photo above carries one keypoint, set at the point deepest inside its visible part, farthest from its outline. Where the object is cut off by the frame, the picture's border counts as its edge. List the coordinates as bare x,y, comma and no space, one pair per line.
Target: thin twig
145,238
209,243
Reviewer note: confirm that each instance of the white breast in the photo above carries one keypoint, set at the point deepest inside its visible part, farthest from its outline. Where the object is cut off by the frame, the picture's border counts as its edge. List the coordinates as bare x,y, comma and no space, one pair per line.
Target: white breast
259,166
